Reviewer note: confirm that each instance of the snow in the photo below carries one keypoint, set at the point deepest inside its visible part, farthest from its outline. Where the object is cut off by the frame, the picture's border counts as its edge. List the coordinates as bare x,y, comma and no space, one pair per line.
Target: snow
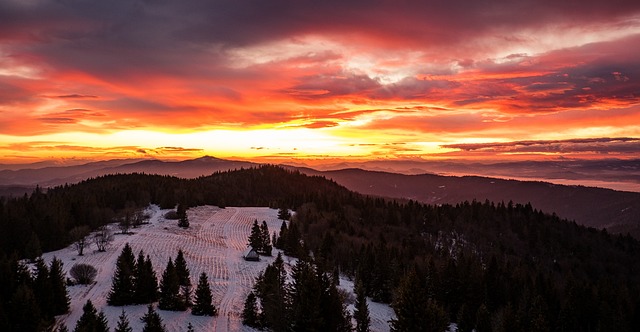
379,313
214,244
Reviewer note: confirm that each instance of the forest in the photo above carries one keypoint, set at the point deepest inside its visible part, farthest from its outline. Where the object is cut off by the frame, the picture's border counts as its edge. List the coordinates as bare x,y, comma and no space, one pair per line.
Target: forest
488,266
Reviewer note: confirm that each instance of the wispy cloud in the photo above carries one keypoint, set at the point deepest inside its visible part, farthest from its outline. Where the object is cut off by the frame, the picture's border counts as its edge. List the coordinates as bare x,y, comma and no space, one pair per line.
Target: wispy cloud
604,145
415,71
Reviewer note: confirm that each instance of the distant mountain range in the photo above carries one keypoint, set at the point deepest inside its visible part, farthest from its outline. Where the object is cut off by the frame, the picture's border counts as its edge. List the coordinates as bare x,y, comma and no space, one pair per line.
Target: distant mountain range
57,175
617,211
617,174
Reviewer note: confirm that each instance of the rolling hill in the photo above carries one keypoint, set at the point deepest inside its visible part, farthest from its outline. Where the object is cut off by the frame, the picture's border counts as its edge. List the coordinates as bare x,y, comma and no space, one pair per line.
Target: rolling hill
617,211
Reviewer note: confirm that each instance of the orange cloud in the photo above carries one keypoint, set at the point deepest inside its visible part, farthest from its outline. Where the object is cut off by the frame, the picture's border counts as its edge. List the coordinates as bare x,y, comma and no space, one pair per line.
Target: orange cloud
418,73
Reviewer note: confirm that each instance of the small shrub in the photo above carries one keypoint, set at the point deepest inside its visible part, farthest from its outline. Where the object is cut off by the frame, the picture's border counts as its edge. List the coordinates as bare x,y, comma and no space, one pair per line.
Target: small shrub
84,274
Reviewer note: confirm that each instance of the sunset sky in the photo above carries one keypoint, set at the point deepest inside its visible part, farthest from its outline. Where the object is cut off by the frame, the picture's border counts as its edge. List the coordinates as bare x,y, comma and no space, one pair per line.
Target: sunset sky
356,80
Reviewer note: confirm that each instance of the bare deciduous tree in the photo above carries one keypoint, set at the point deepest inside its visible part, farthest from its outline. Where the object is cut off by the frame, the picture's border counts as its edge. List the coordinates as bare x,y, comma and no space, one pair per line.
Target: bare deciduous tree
125,224
139,218
103,238
79,236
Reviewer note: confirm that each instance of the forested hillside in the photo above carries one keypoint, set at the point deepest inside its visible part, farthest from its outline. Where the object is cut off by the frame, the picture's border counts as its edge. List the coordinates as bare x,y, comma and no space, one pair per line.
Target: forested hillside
490,266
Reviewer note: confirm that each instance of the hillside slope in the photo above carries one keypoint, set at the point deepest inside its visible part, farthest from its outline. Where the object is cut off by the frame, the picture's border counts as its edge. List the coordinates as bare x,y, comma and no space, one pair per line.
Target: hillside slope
594,207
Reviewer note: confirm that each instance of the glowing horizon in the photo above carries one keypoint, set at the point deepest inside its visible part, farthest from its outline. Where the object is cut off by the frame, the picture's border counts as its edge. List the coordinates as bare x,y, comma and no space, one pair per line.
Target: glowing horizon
275,80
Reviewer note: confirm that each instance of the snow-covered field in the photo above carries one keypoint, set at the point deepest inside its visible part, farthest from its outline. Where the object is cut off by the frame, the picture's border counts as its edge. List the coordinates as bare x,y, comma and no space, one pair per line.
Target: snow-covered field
213,244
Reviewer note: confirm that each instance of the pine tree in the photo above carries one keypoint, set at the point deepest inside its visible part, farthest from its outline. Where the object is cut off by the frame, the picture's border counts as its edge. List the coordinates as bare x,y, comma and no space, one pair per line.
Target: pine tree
274,239
60,300
203,300
334,312
273,293
282,236
483,319
152,321
123,282
361,312
170,290
265,239
292,245
184,221
146,286
32,249
184,278
255,238
91,321
305,294
250,311
181,211
284,214
24,310
123,323
42,288
414,310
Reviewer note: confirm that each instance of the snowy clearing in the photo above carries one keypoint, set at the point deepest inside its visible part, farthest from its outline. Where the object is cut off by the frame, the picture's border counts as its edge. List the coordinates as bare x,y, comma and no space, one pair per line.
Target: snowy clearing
213,244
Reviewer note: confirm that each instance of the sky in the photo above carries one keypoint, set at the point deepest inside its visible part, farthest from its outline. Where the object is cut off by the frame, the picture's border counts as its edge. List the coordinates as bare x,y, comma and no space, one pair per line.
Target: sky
315,80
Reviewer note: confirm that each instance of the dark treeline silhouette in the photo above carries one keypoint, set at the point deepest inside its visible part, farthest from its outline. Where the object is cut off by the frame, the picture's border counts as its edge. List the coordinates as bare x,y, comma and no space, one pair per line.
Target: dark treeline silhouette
488,266
42,221
30,298
495,267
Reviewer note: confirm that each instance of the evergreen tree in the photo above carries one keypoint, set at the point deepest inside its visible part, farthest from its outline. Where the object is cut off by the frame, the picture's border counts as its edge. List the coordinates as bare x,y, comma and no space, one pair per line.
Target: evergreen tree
184,221
91,321
146,286
123,282
24,310
306,291
335,315
414,310
32,249
184,278
152,321
170,290
42,288
282,236
483,319
255,238
203,300
272,291
123,323
274,239
60,300
292,245
361,312
250,311
283,213
265,239
181,211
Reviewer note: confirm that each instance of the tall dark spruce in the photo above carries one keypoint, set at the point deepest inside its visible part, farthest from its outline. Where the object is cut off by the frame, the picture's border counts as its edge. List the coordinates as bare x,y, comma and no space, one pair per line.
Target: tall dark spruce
146,282
184,278
203,305
91,320
170,298
123,282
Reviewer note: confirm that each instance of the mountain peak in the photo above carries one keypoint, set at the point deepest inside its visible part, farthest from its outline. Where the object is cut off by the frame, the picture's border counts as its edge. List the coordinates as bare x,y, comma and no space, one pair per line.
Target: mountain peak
206,158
